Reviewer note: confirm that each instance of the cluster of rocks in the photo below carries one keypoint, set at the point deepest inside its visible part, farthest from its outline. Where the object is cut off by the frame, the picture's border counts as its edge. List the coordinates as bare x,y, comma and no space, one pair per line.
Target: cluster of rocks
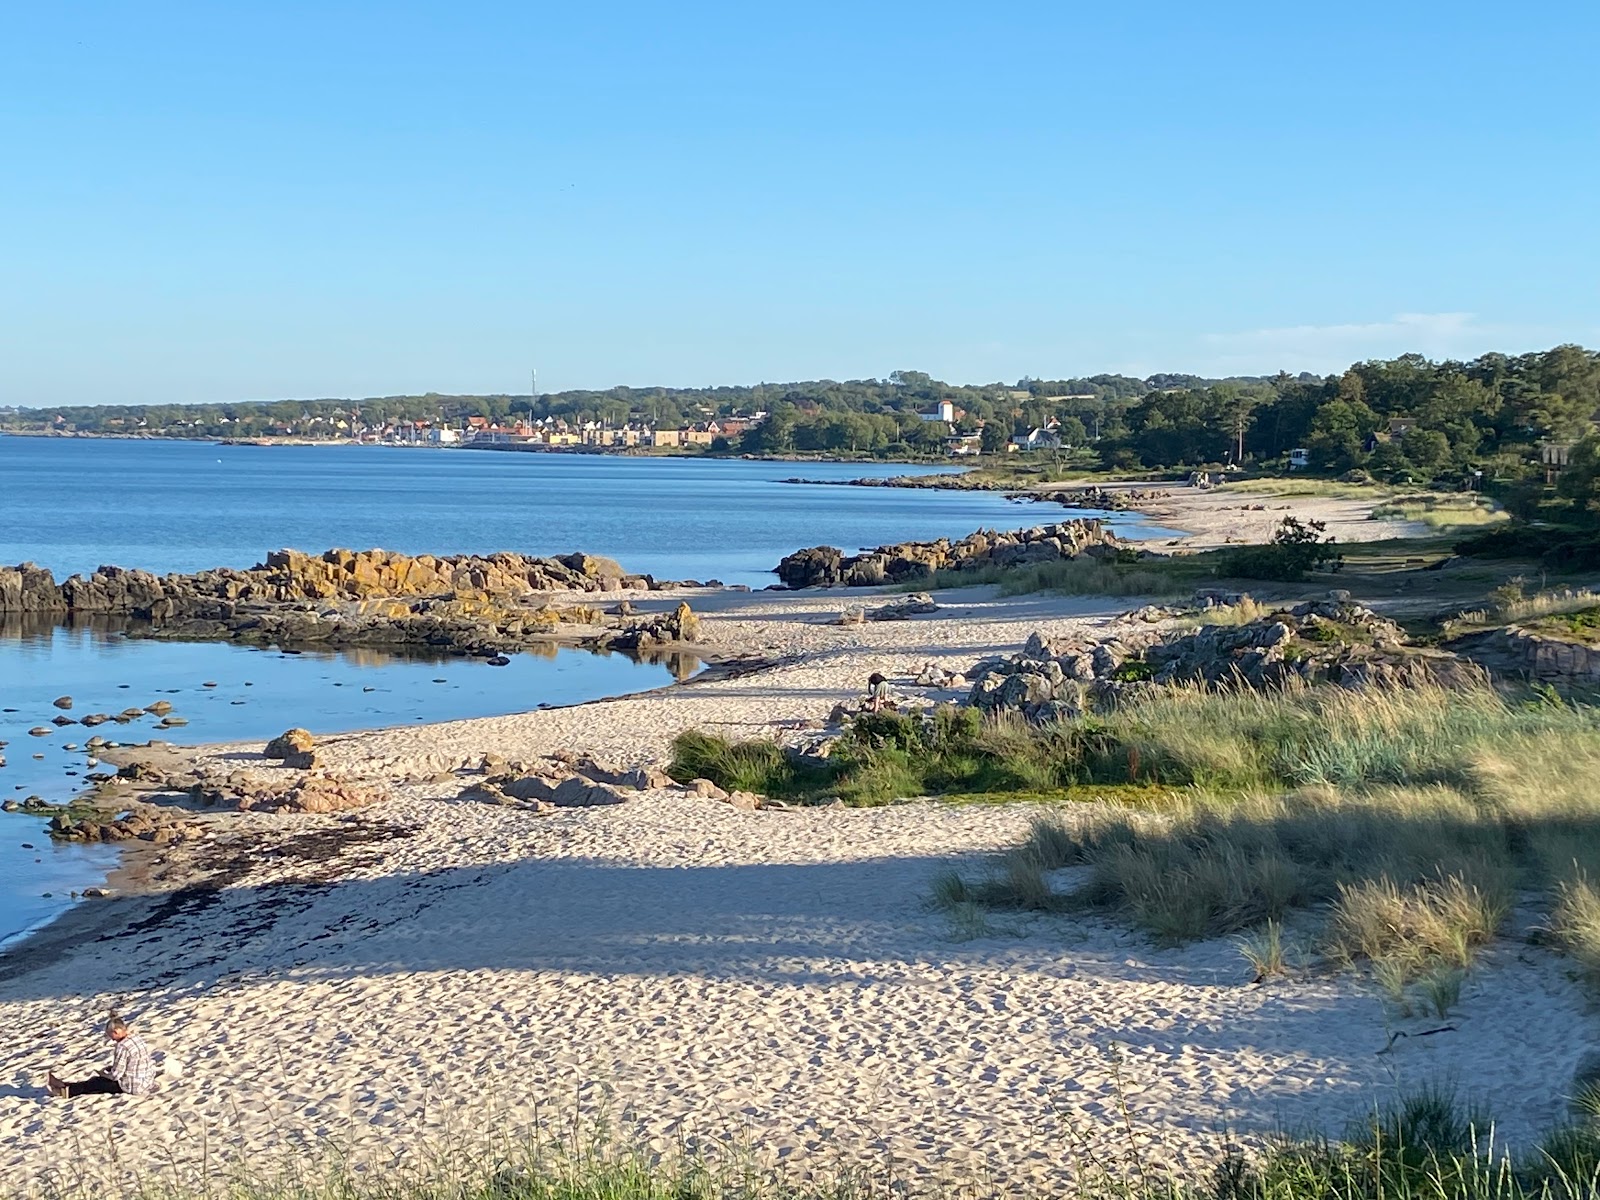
289,576
562,781
272,790
1104,499
965,482
917,604
827,566
469,604
1319,641
583,781
148,823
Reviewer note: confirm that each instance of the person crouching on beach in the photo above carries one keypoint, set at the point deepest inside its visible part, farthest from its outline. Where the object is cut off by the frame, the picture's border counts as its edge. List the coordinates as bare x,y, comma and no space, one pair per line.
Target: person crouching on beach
877,692
132,1071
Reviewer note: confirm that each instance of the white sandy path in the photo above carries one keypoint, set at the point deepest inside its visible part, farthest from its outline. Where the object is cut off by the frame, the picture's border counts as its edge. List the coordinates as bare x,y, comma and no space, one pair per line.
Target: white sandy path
687,970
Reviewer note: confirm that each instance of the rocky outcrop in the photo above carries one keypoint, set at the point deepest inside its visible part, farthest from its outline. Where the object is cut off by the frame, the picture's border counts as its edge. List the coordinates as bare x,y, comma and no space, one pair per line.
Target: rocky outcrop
272,790
1536,654
28,588
289,576
825,566
469,604
1102,499
147,823
1324,641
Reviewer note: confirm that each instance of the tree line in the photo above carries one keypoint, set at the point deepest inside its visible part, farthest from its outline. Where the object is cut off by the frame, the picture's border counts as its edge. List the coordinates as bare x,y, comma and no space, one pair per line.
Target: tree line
1407,419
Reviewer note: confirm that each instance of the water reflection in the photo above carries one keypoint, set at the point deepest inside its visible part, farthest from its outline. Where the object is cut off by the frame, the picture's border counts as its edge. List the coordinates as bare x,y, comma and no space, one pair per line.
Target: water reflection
38,631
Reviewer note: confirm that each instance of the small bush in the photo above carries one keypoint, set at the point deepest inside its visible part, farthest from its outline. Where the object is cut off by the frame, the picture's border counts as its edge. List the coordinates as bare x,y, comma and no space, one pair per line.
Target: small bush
749,766
1296,548
1448,920
1576,921
1264,951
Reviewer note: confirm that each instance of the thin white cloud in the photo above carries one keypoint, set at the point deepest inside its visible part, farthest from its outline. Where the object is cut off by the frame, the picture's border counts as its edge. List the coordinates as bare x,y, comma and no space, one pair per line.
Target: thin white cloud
1329,348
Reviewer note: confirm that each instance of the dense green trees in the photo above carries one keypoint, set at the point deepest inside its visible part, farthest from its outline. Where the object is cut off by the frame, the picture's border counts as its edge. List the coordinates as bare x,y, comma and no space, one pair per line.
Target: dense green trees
1401,419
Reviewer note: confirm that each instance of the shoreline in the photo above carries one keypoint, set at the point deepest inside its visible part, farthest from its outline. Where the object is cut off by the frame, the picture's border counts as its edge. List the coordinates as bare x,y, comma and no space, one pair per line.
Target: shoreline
679,963
672,960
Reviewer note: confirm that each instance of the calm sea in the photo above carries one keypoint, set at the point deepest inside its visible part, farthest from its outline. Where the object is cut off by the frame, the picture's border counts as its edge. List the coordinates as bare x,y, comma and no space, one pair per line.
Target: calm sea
72,505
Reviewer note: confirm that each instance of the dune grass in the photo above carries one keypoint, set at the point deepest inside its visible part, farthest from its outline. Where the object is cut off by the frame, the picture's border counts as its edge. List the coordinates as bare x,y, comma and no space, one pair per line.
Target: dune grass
1425,1145
1084,576
1298,485
1407,820
1573,611
1442,511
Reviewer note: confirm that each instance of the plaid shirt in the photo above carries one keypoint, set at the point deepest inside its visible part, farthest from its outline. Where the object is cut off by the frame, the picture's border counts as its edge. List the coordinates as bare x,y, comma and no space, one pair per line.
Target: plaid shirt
132,1066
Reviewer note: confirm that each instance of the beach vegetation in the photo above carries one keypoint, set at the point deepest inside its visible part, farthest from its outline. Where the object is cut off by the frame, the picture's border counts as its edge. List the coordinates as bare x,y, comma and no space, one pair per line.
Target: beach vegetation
1425,1144
1405,824
1295,549
1126,574
1448,511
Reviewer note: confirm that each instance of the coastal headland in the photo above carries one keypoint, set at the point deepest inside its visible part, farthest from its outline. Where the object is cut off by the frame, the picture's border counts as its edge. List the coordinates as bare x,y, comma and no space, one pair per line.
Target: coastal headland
450,961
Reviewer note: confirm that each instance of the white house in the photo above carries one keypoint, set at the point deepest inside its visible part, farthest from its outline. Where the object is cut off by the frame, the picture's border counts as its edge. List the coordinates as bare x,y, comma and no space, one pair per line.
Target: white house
1299,459
944,411
1040,439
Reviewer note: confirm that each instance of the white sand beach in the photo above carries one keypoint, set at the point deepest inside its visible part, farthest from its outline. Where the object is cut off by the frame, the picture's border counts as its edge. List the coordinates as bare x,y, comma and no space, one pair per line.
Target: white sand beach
428,969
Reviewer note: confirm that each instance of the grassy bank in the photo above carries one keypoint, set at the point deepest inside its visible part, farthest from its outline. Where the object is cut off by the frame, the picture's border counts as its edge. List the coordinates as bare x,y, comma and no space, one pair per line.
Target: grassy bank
1442,511
1426,1146
1409,822
1084,576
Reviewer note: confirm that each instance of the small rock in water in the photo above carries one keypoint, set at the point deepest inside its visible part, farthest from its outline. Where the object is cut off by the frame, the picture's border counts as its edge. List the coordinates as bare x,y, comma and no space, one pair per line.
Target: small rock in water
62,702
63,721
247,683
365,689
124,685
40,731
70,746
441,681
209,683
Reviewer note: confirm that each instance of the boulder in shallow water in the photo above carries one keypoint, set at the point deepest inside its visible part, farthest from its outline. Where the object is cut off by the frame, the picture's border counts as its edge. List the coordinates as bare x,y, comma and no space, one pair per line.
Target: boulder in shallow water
62,702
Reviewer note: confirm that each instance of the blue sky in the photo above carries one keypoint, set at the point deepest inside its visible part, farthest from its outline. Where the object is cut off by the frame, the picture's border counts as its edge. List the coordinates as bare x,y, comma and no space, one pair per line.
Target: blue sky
223,202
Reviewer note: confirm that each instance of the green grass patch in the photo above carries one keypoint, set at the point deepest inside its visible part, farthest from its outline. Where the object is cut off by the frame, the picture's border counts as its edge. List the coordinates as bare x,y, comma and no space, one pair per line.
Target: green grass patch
1129,574
1580,626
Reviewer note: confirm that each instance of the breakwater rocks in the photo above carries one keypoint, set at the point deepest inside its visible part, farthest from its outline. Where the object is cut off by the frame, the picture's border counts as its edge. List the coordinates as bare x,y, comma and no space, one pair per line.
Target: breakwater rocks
1102,499
826,566
1099,498
964,482
485,605
1318,641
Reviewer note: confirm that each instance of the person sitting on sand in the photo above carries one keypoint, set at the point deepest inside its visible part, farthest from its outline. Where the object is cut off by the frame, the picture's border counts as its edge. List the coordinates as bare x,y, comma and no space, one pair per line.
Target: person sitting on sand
132,1071
877,691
